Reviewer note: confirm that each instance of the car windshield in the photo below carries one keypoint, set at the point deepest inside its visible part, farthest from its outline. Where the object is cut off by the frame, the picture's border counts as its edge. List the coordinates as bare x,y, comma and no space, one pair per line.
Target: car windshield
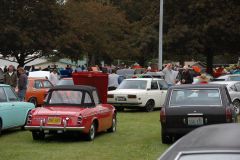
210,156
65,82
234,78
66,97
195,97
133,84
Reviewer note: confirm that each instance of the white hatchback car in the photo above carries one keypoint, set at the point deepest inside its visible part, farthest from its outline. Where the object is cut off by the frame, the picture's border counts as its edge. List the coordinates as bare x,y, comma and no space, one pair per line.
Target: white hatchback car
234,91
146,93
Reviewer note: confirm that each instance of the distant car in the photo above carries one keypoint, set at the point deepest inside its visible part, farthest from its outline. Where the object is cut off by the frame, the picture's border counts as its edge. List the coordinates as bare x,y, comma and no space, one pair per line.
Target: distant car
65,81
190,106
13,113
234,91
72,108
219,142
37,89
145,93
228,77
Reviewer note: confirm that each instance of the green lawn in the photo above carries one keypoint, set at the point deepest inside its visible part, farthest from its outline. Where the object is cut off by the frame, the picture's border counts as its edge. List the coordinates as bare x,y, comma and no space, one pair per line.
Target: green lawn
137,138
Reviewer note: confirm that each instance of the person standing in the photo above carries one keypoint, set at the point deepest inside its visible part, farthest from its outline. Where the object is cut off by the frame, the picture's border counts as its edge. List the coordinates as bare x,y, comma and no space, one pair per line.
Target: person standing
22,84
169,75
10,77
186,77
54,77
113,80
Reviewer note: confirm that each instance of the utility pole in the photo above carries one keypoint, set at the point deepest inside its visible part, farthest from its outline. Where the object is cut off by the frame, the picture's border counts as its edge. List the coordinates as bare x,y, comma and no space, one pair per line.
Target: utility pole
160,49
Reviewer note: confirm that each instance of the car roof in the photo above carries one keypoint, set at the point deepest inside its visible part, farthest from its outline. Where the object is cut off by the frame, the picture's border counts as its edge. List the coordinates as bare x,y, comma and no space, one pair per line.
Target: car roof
75,87
206,138
197,86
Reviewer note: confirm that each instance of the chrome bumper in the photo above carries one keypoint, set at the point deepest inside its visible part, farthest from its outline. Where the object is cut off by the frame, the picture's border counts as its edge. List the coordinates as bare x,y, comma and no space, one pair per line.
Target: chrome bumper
41,128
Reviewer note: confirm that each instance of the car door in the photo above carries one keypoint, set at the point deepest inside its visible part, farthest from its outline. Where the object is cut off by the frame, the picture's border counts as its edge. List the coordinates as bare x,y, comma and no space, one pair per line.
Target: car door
155,93
164,88
6,114
19,111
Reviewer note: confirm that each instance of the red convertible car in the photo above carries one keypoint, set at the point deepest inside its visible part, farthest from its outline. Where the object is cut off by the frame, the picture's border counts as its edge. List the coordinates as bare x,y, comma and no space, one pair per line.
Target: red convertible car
72,109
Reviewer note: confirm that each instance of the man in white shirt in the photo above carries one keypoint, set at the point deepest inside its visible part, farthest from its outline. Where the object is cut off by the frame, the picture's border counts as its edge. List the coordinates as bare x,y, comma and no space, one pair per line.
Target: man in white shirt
113,81
54,77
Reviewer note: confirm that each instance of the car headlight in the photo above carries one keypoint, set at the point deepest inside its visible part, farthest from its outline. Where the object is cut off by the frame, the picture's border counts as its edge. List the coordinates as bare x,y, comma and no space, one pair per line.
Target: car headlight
110,96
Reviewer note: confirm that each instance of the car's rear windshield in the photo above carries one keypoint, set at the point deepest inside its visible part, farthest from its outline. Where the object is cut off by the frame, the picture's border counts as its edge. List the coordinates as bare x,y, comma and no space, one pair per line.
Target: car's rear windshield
195,97
66,97
133,84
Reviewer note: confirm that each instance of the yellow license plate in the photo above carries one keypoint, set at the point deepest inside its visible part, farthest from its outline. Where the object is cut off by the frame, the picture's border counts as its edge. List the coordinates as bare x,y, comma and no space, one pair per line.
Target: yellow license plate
54,120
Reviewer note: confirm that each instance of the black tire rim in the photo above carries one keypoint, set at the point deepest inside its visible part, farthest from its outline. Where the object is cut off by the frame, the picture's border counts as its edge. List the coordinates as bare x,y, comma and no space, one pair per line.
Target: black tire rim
150,105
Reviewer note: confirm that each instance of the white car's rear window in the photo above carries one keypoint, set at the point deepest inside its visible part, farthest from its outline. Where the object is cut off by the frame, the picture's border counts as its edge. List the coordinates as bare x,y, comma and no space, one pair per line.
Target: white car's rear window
133,84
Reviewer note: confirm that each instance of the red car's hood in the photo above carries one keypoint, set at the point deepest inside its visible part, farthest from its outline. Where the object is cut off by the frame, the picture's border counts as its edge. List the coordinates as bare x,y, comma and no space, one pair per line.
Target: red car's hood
59,111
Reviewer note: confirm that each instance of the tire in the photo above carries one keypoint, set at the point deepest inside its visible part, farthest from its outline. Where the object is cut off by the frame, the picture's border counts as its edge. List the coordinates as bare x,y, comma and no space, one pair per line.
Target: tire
114,124
38,135
33,101
166,139
92,132
236,104
149,105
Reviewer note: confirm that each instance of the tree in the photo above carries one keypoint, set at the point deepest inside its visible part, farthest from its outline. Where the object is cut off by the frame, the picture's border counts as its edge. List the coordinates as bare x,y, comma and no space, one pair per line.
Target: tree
98,31
31,28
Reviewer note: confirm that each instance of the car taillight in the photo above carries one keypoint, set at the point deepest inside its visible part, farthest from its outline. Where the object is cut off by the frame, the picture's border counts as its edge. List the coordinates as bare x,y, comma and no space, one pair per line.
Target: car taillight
228,115
29,119
163,115
79,121
110,96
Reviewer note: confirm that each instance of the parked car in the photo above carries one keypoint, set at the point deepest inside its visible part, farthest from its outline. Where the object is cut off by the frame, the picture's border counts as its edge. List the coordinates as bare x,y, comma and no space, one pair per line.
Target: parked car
37,89
146,93
190,106
65,81
234,91
13,113
211,142
228,77
72,108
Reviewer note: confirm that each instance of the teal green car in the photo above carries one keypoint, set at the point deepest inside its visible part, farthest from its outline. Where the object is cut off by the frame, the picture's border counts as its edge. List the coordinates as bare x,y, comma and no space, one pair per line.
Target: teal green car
13,113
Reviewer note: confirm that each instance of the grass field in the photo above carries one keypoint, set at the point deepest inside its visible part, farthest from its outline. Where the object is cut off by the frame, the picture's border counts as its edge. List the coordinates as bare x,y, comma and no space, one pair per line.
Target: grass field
137,138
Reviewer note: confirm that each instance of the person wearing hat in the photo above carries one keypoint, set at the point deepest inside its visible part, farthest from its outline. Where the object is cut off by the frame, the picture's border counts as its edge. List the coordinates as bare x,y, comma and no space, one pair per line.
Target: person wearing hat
186,77
10,77
22,84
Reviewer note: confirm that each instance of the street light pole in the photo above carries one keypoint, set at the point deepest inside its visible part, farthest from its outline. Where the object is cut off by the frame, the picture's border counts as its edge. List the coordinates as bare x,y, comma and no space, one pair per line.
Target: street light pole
160,49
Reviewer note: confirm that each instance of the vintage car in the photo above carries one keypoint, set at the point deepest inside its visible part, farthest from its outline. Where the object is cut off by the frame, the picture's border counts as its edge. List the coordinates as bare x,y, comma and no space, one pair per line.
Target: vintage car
146,93
72,109
13,113
207,143
37,89
190,106
234,92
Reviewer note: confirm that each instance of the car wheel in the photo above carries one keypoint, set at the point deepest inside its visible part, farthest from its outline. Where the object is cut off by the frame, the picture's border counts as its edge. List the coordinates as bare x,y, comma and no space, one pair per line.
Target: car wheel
92,132
166,139
114,124
38,135
149,105
236,104
33,101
